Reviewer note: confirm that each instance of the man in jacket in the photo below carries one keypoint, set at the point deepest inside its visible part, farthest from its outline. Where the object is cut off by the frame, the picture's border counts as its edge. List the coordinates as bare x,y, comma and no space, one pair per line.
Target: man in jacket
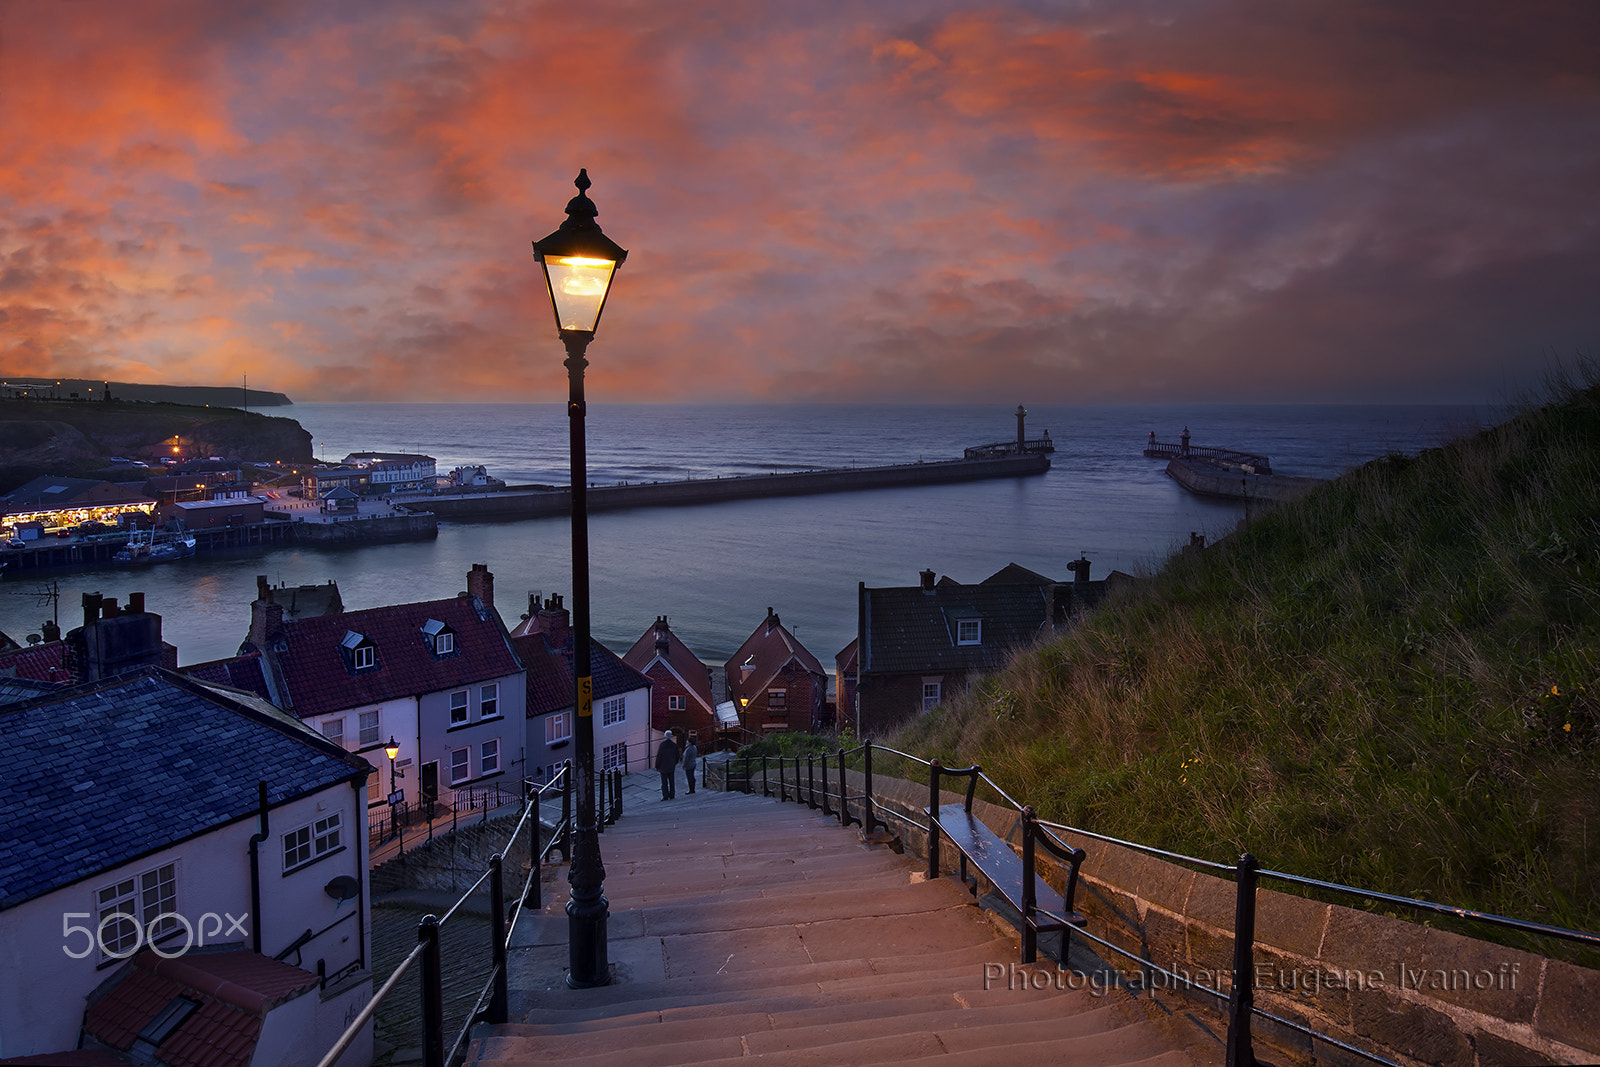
690,754
667,764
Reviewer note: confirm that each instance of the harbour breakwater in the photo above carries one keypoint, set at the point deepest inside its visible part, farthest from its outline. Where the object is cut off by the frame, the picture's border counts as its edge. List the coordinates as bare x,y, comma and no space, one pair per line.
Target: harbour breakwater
532,502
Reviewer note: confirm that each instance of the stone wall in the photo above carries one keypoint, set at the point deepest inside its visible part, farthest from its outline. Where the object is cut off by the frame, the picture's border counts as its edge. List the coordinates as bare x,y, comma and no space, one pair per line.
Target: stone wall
1409,991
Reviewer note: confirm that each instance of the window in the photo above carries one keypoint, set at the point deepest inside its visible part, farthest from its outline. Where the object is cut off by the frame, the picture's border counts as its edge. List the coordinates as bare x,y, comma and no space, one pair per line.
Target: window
489,757
458,707
777,699
369,728
489,701
930,695
311,842
969,631
678,703
441,640
614,757
362,653
613,711
460,765
142,907
333,730
375,789
558,728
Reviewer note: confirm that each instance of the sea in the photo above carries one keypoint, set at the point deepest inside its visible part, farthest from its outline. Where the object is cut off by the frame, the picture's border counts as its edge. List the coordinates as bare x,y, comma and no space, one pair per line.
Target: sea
714,570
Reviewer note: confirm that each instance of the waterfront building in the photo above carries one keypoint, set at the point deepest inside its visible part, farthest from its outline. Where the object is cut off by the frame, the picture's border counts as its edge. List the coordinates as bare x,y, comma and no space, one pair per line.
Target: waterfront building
680,692
917,645
53,502
623,737
776,683
438,677
395,472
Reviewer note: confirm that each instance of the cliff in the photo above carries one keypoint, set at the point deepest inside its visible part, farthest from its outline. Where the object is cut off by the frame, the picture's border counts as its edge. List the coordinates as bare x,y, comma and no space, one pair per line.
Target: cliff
79,438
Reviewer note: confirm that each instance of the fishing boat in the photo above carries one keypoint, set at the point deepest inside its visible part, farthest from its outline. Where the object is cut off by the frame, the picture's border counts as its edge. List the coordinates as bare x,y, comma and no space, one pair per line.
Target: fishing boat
155,548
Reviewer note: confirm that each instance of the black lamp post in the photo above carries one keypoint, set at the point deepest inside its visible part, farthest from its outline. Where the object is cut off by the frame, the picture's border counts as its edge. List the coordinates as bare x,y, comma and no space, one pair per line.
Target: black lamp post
578,262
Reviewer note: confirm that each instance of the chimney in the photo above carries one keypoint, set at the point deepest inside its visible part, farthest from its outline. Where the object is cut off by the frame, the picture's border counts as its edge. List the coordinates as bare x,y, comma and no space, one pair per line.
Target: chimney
91,608
480,583
533,605
663,642
108,608
927,581
1080,570
555,623
772,620
266,617
50,631
136,603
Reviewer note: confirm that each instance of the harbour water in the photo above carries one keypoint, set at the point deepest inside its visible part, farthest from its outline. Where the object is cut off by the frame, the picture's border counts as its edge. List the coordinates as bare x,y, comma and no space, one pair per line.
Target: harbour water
715,569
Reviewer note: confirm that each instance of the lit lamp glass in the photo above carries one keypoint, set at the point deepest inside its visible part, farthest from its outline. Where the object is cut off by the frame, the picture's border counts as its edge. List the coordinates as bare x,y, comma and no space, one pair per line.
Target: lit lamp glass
578,286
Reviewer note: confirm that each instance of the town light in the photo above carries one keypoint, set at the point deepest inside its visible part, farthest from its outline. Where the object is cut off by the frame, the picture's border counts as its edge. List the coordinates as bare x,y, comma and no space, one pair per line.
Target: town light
579,262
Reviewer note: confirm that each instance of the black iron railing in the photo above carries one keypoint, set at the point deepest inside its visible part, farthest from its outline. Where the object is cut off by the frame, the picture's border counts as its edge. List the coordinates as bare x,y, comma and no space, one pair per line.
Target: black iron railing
794,778
491,1005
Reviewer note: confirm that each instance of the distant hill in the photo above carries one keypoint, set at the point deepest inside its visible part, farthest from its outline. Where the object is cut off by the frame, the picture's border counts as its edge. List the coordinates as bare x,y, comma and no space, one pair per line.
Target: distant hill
225,396
87,438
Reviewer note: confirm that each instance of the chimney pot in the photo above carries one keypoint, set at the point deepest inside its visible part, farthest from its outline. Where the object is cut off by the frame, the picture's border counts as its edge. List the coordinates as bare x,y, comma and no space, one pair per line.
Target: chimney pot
927,581
136,603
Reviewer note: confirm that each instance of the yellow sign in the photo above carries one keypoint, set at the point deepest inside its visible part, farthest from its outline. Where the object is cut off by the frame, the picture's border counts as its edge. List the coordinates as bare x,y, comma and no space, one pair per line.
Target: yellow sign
585,697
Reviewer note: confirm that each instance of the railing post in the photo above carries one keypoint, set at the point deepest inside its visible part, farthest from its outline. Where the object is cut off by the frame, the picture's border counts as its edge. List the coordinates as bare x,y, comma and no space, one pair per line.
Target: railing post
827,809
811,779
1241,1001
600,802
933,819
497,939
530,896
566,812
844,795
766,788
1030,902
868,819
432,993
783,783
616,793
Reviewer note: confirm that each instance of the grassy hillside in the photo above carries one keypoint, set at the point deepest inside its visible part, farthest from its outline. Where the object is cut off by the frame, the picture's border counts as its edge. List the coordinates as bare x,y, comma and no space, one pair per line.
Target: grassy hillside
1392,684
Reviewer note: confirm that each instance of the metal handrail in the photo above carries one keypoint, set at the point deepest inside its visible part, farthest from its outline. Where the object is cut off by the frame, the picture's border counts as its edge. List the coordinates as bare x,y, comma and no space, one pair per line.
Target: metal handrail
365,1015
1246,874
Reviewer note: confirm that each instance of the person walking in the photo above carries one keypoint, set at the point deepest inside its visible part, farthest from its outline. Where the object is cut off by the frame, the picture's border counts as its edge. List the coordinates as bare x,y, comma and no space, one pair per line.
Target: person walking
667,764
690,754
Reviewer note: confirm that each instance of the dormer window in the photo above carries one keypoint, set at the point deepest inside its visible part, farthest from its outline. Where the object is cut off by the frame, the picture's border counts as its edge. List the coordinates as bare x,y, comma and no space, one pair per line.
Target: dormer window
440,638
969,631
359,651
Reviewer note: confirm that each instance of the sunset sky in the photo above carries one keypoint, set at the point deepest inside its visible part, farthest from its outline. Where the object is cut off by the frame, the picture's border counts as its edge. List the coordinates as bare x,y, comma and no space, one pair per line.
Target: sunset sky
909,200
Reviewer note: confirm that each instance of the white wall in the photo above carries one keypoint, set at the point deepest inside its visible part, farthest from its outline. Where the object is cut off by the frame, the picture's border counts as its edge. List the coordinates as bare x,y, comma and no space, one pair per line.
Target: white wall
396,718
42,995
634,729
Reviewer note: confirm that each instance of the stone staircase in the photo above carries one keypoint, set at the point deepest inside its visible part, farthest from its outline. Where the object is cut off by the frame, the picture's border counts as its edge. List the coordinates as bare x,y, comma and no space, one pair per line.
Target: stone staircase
745,930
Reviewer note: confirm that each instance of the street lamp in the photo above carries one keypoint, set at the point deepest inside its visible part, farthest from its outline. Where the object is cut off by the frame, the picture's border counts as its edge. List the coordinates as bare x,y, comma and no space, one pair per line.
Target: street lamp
579,262
392,749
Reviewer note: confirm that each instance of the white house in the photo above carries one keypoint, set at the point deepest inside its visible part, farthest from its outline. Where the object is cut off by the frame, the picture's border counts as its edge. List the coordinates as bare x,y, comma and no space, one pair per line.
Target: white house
137,860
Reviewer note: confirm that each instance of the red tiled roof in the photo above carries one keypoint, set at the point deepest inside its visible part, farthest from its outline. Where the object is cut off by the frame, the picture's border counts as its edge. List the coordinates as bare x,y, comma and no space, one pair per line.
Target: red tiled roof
235,990
45,662
550,673
768,651
317,679
241,672
682,663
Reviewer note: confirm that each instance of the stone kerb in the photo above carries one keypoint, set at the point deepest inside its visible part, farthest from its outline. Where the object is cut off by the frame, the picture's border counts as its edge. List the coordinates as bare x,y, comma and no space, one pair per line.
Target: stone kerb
1427,995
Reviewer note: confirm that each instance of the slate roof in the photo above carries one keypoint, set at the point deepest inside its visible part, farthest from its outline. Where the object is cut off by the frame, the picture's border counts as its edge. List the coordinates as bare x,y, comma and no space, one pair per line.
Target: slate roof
550,685
913,630
317,678
49,492
235,990
769,649
100,774
683,664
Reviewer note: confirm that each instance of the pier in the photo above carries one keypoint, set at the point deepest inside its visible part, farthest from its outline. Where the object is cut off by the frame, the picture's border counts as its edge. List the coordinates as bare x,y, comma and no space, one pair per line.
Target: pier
535,502
1225,473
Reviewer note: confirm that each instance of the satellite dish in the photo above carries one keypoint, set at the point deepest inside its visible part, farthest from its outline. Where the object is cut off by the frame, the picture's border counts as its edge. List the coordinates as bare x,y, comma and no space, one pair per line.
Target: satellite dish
342,888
